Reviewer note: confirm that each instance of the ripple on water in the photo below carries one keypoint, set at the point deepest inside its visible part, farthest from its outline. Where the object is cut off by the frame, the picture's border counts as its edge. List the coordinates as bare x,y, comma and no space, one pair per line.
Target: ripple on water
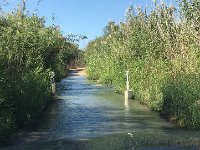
85,110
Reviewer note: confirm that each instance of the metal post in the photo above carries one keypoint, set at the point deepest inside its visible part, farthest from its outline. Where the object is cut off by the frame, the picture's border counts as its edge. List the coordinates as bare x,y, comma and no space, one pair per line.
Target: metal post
127,82
128,93
53,84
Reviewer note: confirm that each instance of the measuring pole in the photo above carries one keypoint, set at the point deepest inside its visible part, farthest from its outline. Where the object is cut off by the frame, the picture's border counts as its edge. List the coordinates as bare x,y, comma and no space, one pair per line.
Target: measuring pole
128,93
53,84
127,81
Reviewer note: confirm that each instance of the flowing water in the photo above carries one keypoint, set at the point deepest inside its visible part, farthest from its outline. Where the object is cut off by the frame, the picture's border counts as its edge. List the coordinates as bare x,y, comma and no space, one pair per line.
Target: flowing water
87,115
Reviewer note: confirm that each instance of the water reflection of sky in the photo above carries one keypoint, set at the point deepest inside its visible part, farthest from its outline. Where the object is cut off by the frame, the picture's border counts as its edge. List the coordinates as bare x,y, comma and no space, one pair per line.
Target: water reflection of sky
89,110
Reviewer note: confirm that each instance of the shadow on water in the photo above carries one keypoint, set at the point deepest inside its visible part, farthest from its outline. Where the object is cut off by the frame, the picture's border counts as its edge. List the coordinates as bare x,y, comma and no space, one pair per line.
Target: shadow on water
90,116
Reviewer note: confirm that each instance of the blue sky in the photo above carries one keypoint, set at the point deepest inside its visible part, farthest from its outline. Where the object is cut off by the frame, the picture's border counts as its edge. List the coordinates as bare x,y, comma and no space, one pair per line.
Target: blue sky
86,17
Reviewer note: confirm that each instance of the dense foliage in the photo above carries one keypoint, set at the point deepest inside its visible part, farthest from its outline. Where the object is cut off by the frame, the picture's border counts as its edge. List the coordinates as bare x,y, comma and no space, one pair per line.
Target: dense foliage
29,51
161,50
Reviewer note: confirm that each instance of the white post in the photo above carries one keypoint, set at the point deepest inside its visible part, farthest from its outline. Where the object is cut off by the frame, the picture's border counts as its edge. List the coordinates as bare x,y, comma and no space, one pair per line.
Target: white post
128,93
53,84
127,82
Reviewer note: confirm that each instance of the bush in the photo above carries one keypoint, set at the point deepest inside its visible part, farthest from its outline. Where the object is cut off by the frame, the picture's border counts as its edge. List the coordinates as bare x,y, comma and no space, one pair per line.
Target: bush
181,100
29,51
161,51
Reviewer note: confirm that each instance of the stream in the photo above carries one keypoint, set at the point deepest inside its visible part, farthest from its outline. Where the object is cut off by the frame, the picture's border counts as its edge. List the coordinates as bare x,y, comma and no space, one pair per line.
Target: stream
88,115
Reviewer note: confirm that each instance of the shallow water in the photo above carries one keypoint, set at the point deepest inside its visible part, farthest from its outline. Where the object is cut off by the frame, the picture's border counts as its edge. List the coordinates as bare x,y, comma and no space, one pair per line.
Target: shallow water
91,116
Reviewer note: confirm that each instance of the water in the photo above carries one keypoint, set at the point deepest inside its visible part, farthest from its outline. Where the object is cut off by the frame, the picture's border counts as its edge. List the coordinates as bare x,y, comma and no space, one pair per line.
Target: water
91,116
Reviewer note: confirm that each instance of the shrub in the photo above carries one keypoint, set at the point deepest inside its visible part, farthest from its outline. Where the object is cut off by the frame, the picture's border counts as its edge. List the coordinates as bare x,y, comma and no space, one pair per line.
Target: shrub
29,51
160,48
181,100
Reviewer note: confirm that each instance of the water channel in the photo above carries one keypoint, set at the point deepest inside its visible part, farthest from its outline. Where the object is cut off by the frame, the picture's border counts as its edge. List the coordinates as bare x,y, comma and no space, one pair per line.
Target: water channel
87,115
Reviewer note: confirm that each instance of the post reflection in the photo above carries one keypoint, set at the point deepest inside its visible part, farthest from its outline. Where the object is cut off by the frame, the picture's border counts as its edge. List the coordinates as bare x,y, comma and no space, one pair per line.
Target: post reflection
126,104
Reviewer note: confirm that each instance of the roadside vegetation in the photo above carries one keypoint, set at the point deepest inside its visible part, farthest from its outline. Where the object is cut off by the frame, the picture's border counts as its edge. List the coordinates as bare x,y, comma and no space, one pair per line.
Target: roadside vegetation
161,50
29,52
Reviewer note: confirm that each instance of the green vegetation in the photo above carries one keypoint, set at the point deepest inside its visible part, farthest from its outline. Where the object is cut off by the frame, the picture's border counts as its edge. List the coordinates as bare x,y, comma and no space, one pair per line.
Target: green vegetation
161,50
29,51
